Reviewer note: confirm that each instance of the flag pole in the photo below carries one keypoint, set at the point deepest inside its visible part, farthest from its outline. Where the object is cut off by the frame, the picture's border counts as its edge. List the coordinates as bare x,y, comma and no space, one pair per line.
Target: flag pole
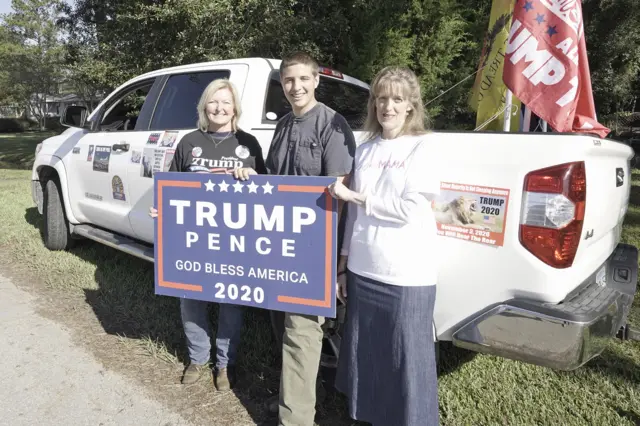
526,125
544,126
507,112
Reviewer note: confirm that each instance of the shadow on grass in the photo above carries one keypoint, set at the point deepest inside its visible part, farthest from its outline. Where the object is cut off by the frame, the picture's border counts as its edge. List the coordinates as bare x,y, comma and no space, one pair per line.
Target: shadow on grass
17,150
634,196
612,364
452,358
126,305
632,218
632,416
32,217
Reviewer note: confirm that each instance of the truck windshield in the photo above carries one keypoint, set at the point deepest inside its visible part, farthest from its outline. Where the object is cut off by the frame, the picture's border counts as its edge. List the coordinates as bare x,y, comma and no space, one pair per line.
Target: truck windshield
345,98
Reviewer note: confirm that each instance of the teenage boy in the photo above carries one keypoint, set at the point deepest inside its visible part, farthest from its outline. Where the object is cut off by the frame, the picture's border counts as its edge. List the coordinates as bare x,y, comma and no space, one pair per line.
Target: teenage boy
311,140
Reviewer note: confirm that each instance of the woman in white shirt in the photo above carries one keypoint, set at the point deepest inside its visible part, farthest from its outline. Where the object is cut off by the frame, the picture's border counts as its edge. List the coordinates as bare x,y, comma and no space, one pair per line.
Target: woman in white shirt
388,268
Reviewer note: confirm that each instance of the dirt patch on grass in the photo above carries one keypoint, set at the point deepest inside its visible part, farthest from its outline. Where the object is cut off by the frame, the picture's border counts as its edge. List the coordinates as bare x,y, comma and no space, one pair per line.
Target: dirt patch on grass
157,370
199,403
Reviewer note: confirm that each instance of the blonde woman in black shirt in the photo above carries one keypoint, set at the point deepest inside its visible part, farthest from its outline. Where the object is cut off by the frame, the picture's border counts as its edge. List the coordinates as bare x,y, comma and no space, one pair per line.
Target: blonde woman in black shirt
217,146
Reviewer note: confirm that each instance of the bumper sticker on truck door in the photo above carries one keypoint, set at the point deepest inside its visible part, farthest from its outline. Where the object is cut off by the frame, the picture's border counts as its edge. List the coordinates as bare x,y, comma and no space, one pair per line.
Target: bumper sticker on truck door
168,158
168,139
101,159
152,162
117,188
153,138
471,212
136,157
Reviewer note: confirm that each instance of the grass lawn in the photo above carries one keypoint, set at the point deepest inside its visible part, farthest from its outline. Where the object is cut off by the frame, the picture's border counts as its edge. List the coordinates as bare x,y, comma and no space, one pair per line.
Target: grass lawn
140,334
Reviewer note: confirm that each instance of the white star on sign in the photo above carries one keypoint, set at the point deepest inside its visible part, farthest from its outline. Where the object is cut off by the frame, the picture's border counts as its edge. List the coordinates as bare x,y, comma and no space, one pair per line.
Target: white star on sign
210,185
237,186
252,188
223,186
267,188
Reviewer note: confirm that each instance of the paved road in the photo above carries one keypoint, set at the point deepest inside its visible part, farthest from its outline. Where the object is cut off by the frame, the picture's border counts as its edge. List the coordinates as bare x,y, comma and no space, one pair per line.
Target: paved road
47,380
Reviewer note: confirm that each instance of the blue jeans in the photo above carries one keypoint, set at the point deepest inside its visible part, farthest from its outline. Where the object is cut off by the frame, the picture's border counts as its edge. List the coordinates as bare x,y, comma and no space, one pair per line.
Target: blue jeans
195,320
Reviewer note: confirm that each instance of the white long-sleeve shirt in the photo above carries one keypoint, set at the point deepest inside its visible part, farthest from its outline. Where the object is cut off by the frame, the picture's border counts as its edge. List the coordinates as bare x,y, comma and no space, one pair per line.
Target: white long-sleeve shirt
392,237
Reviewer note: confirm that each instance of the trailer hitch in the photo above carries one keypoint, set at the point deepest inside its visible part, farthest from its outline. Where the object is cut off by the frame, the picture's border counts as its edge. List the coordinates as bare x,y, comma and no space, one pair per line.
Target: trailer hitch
627,332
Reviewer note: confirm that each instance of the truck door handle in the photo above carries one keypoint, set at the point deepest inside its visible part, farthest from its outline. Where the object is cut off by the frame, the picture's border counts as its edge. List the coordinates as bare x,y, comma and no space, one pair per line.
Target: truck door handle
120,147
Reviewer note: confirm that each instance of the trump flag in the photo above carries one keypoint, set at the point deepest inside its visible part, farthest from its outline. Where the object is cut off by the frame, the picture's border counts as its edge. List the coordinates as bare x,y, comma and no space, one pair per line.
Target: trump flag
546,64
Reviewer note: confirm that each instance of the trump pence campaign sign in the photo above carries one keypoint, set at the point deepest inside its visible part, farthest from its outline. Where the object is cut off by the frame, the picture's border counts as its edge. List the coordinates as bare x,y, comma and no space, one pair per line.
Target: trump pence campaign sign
268,242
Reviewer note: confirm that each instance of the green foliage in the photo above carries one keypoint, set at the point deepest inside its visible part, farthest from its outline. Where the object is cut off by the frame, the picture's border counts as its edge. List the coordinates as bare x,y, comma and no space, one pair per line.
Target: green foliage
110,41
613,44
31,53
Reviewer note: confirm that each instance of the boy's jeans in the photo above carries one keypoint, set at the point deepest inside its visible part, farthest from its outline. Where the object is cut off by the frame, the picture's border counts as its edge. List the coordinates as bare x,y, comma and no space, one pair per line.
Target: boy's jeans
195,320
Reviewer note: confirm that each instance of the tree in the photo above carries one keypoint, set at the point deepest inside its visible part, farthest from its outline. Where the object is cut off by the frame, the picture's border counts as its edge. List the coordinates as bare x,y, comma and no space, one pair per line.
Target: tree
111,41
613,46
31,53
439,40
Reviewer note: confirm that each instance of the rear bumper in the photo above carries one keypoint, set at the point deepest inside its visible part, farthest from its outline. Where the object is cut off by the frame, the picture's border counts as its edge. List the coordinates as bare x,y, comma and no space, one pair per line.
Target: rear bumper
562,336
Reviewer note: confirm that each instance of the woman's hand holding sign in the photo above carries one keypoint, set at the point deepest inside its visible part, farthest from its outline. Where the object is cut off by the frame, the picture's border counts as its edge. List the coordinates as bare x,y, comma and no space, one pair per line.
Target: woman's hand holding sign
340,191
243,173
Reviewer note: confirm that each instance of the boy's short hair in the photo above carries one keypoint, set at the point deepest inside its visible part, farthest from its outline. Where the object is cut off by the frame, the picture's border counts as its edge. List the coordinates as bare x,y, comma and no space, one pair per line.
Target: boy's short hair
300,58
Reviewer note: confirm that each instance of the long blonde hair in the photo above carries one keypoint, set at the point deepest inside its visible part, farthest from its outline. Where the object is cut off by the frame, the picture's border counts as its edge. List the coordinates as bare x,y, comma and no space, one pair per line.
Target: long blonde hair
207,93
396,80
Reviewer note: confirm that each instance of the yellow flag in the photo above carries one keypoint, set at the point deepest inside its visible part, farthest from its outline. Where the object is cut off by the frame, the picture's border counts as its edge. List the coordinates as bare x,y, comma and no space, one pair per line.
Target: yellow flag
488,95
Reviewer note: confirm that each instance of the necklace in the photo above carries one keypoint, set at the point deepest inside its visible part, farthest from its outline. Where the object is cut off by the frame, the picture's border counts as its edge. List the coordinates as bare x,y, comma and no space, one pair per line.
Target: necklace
217,141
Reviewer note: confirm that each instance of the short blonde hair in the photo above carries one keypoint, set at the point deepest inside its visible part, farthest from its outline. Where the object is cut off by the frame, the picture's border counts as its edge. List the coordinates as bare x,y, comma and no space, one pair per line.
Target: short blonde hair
207,93
396,80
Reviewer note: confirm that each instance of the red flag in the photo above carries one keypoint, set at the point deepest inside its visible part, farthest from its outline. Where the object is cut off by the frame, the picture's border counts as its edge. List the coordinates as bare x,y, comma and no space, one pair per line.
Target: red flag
546,64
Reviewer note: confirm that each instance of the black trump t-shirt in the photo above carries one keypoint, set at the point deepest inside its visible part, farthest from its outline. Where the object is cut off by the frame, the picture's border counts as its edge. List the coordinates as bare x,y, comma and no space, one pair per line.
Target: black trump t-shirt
206,152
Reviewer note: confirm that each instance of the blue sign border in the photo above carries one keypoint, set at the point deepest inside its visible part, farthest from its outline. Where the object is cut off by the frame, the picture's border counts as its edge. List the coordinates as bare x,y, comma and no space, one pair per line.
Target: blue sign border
306,184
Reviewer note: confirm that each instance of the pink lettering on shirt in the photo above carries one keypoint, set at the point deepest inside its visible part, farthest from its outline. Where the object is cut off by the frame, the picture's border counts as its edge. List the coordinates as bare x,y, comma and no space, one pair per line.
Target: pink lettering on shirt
382,164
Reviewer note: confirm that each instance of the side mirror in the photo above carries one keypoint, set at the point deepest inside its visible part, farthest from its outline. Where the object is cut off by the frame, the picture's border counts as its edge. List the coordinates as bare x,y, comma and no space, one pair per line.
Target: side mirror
74,116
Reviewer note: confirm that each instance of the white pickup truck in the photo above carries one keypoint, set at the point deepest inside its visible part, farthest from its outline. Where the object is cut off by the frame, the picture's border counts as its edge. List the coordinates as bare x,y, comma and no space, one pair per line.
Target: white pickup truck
531,265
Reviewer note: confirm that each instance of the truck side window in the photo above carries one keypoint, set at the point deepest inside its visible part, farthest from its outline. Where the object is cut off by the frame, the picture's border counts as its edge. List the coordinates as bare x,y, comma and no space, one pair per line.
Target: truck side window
347,99
177,105
121,114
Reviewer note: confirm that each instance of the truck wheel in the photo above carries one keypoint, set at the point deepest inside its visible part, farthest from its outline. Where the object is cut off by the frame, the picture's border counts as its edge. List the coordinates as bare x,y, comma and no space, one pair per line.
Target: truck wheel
56,227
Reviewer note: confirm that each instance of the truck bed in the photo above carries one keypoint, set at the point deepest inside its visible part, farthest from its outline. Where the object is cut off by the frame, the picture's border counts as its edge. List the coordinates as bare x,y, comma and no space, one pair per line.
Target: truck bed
476,275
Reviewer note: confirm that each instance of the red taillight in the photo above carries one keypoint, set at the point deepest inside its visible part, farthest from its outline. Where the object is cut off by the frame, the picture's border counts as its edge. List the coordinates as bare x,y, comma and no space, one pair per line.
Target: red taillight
329,71
553,209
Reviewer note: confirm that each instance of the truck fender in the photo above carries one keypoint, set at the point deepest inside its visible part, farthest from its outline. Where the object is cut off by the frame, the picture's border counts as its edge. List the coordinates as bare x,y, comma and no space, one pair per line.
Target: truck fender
46,164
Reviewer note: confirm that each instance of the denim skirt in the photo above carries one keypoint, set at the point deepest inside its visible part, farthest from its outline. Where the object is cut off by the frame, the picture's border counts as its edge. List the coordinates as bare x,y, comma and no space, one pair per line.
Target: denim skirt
387,365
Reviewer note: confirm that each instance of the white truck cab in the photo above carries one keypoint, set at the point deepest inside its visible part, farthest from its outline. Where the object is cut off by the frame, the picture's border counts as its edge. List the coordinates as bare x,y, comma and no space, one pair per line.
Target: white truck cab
555,289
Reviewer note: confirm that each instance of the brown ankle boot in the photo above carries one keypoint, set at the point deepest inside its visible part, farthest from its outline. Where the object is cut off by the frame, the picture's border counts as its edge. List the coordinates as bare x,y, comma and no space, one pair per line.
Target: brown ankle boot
225,379
193,373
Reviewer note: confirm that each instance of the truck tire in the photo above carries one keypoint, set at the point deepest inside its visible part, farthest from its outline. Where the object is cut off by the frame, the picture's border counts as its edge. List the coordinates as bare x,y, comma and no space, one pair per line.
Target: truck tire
56,233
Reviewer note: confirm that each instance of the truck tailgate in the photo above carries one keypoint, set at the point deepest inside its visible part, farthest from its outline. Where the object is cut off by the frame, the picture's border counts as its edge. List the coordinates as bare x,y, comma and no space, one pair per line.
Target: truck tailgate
478,268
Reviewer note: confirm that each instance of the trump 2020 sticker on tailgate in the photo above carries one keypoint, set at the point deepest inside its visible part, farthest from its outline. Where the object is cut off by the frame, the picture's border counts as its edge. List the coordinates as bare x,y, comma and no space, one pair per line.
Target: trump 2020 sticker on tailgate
472,212
267,242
